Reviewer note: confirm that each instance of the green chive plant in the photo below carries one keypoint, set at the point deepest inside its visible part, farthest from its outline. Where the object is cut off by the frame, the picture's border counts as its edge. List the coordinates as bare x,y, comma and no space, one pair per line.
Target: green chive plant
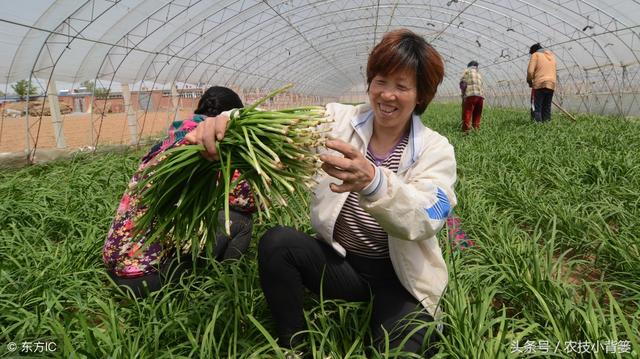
554,210
273,152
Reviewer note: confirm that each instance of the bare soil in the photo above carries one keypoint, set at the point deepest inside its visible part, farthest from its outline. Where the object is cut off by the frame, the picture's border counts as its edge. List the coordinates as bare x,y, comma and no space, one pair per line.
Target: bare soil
113,129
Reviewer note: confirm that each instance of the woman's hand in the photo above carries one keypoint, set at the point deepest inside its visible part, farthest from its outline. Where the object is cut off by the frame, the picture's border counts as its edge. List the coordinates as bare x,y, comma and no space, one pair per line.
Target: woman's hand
207,133
355,171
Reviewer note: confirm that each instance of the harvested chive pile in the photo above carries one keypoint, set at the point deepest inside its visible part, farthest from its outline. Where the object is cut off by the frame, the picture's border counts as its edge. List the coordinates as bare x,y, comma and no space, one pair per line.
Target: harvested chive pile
272,150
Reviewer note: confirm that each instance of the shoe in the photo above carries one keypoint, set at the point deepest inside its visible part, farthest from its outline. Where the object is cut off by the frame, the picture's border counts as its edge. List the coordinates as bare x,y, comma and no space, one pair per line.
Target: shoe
292,354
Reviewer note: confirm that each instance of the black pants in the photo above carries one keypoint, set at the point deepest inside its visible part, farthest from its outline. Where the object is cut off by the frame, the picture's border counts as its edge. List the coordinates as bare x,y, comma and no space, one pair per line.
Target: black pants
543,98
235,245
227,247
290,260
169,271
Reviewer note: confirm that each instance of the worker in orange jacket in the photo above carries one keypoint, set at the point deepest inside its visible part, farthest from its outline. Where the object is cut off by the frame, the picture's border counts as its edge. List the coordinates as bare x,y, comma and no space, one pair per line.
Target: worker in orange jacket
541,77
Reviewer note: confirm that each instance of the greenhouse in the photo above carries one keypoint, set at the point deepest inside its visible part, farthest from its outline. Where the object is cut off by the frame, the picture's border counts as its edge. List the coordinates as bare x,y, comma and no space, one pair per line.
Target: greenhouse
512,234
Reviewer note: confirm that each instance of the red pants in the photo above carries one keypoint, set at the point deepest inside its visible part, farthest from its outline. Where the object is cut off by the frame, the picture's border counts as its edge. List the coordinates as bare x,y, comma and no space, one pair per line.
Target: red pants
471,105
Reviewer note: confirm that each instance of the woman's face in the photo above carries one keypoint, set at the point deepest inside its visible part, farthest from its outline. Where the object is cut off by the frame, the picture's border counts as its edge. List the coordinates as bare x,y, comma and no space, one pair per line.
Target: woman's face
393,98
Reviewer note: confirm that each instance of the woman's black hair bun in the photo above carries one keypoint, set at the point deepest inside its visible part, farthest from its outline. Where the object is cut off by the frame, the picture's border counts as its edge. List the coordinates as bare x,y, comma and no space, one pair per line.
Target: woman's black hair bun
216,100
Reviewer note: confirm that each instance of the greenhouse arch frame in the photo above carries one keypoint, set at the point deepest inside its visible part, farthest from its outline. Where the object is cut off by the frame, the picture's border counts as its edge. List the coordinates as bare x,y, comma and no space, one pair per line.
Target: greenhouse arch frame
131,48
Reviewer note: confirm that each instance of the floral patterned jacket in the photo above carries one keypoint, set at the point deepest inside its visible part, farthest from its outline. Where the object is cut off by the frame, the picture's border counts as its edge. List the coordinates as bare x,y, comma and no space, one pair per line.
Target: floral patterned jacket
122,253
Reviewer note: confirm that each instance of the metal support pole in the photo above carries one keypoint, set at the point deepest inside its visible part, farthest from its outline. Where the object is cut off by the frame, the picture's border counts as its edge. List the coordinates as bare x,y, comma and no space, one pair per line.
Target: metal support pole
56,117
131,115
175,99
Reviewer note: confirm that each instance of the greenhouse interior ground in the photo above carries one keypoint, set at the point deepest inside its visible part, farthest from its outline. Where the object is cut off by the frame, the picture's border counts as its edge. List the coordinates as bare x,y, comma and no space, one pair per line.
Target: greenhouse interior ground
538,238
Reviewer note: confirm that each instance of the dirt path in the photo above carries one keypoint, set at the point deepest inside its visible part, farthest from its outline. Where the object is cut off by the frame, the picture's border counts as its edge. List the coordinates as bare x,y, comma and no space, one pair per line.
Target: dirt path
77,129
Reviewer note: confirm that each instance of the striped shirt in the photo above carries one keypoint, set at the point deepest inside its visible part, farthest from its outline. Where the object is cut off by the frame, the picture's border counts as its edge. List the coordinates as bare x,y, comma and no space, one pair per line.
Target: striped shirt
355,229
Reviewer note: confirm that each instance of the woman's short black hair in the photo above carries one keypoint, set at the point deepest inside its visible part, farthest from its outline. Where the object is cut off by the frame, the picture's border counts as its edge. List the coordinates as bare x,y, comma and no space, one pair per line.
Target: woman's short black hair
216,100
535,47
473,63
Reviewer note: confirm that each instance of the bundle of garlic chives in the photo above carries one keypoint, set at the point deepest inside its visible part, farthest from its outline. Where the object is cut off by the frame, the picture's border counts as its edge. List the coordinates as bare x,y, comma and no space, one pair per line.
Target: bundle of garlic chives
272,150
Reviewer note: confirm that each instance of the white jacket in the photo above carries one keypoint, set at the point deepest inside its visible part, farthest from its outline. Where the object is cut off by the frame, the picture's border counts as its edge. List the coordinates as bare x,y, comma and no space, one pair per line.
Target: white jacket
411,206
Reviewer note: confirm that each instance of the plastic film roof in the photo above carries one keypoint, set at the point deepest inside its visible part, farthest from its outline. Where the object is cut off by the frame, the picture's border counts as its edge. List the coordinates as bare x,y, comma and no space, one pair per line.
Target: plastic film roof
320,46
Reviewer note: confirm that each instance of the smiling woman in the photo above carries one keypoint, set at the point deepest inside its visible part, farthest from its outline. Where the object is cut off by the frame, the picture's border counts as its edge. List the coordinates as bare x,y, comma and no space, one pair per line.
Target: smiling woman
403,75
386,191
377,227
393,98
